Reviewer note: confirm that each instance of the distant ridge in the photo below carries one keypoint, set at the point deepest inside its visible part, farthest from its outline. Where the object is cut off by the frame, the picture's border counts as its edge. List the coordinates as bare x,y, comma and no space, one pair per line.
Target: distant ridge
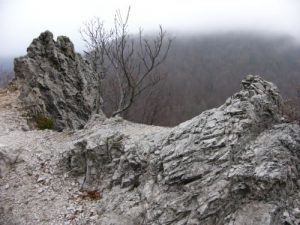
7,63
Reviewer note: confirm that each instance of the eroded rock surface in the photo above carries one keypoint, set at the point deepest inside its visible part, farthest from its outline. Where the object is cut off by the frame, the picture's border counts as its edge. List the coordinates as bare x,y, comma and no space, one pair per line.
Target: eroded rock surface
237,164
56,82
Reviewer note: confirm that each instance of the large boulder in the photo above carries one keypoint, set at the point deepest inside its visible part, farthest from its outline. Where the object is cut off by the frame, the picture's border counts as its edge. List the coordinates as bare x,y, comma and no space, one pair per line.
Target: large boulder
58,83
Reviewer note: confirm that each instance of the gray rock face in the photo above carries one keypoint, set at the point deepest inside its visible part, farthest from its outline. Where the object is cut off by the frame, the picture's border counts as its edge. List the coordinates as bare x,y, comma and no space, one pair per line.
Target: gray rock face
56,82
234,165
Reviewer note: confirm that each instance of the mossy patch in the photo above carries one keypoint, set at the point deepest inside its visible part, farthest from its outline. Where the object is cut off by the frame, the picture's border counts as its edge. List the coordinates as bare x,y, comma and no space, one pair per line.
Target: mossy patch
43,122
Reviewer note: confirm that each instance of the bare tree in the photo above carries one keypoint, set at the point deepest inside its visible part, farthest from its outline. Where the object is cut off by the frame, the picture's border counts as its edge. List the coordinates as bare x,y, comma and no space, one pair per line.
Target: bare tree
131,61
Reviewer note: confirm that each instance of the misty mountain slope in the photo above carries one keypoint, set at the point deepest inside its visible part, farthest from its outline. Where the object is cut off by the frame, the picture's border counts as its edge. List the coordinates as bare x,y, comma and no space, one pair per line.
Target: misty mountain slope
203,70
6,71
6,63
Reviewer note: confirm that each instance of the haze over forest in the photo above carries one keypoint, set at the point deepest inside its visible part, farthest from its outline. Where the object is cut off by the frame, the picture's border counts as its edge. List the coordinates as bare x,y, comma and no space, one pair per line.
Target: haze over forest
214,46
191,16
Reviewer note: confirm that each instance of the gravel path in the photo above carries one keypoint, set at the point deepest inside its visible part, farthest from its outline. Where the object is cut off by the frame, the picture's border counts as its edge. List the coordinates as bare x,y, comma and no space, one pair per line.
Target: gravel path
32,189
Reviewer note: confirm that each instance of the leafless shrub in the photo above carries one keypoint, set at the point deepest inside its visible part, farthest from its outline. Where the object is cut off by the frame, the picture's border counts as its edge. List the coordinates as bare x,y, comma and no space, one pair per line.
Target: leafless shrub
126,64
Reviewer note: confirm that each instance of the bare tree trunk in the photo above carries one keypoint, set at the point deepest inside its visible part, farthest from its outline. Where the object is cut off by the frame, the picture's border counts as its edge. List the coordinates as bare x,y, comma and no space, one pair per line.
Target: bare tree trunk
115,53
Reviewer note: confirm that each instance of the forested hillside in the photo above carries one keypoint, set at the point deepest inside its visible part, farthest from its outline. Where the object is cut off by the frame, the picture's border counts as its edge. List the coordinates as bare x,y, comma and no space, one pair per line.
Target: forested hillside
6,70
203,71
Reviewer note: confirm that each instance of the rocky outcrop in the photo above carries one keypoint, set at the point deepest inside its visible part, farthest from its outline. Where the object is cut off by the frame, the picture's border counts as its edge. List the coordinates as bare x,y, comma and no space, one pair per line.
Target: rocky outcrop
58,83
234,165
238,164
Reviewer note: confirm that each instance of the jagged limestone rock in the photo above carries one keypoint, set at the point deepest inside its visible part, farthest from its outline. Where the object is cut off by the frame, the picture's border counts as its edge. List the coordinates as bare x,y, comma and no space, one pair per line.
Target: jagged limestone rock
58,83
218,134
235,165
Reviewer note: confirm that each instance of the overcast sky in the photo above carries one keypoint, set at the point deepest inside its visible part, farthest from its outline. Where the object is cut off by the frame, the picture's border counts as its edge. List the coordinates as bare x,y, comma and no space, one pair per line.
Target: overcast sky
23,20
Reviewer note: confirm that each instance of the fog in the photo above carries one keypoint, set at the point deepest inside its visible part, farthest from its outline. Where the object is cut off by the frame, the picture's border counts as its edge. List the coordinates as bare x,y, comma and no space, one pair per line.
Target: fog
21,21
